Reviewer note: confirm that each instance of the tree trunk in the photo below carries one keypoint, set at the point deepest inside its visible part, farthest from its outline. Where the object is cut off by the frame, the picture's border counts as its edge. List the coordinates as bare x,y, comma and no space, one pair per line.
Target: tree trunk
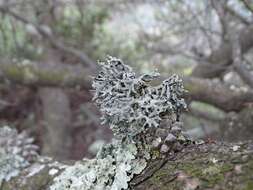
56,122
207,166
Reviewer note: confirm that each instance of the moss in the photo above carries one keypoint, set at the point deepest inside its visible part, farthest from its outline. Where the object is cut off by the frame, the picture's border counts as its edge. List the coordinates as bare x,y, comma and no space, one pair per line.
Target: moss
212,175
155,154
226,167
249,186
247,176
21,72
209,173
198,167
53,77
30,73
14,72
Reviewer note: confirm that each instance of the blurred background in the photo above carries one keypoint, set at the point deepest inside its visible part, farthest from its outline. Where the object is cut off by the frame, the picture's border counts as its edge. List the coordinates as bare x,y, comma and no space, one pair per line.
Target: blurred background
49,50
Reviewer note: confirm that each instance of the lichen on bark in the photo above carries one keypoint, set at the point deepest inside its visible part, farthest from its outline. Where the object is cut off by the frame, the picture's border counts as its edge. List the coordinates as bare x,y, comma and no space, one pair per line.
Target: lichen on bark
16,152
134,111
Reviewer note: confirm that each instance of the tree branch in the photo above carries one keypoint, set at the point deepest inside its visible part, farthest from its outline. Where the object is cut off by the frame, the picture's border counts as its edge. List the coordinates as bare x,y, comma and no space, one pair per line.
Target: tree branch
205,115
237,15
205,166
216,94
45,74
218,62
239,67
247,5
52,39
245,75
62,75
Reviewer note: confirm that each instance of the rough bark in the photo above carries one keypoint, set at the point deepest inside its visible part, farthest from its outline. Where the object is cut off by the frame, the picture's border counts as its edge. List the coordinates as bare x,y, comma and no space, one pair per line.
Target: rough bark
208,166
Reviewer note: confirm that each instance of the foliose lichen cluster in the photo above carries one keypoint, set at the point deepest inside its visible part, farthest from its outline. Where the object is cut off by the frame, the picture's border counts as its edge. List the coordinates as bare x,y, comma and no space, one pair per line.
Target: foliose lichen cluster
129,104
134,110
16,152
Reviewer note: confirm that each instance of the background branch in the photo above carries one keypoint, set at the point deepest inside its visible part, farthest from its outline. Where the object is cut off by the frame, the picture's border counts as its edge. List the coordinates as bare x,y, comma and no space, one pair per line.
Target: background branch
46,32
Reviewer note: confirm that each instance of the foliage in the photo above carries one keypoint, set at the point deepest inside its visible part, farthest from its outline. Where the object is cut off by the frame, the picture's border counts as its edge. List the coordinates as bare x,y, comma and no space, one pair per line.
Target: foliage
129,50
79,26
75,24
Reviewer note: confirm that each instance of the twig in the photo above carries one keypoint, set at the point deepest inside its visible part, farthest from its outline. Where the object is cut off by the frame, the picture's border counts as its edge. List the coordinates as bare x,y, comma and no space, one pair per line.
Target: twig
236,14
52,39
248,6
245,75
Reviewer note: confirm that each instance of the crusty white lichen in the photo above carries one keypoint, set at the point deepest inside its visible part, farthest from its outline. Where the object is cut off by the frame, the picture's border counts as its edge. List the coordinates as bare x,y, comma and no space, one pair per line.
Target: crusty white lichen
112,171
134,110
16,152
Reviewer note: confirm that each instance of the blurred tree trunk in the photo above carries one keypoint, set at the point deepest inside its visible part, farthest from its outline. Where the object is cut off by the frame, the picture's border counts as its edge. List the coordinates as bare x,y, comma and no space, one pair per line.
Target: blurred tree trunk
56,121
208,166
56,140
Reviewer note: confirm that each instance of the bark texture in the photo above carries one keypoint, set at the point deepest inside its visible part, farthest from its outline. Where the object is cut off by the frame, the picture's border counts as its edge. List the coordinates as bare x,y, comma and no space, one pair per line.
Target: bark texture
207,166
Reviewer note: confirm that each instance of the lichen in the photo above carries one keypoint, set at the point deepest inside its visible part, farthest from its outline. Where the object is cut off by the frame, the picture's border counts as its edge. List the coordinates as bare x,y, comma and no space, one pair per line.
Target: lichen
10,166
129,104
16,152
53,171
35,169
107,171
134,110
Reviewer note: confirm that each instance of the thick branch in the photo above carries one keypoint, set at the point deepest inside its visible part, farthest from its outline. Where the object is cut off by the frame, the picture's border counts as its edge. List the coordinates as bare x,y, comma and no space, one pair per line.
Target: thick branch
61,75
217,63
238,15
239,67
245,75
207,166
205,115
217,94
45,74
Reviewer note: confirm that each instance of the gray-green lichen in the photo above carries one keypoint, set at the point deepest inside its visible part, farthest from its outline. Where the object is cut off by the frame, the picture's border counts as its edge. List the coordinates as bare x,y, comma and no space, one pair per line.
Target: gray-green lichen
16,152
134,111
129,104
112,171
